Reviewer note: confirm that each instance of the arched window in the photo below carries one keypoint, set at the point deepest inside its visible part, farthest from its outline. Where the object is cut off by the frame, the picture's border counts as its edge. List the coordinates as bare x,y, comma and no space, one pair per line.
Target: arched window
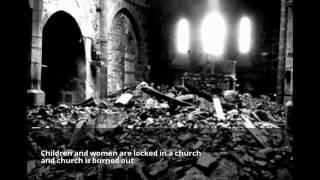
244,36
183,36
213,32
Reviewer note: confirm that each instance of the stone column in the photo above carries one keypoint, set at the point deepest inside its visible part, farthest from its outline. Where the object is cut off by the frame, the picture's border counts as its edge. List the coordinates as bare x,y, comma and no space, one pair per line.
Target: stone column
282,52
103,47
91,82
35,95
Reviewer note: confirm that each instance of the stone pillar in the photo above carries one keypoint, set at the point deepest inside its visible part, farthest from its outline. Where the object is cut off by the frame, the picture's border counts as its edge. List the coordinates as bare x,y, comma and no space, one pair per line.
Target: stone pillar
35,95
103,47
282,52
88,79
288,87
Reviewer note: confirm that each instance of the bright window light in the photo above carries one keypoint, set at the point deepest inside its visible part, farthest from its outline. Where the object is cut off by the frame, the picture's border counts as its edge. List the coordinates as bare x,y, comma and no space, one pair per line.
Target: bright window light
244,37
183,36
213,32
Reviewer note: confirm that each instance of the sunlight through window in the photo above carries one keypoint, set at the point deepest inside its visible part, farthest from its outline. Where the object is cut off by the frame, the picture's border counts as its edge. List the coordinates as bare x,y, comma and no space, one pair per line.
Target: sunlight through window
183,36
244,38
213,34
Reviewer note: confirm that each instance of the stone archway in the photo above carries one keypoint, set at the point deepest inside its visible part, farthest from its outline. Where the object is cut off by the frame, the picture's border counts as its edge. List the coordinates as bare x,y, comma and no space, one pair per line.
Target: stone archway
123,52
63,60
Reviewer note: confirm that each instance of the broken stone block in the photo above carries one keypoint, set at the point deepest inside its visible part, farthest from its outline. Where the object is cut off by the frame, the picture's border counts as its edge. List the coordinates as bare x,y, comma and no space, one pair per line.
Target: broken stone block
245,111
206,159
233,113
80,124
102,104
151,104
108,120
124,99
226,170
149,121
158,167
205,104
197,145
178,169
190,117
284,174
268,125
186,97
92,174
263,153
230,95
194,174
218,109
31,165
138,169
185,137
261,163
63,106
170,95
237,157
180,125
164,106
80,176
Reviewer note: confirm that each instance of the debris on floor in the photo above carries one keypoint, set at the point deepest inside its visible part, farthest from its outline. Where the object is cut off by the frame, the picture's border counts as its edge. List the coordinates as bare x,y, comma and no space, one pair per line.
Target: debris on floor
240,137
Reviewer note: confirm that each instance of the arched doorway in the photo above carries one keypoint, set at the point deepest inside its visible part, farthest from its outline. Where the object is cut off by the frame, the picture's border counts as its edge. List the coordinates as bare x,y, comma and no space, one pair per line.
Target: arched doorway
63,59
122,53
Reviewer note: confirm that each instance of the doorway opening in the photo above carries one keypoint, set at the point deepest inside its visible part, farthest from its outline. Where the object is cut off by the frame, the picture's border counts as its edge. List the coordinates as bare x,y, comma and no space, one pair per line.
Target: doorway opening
63,60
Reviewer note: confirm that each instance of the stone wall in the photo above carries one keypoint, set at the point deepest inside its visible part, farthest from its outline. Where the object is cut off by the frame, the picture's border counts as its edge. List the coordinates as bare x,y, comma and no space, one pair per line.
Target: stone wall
116,28
127,47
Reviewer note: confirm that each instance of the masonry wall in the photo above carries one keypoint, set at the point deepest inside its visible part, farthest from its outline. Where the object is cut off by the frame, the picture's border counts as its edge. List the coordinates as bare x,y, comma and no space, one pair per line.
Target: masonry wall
127,45
113,28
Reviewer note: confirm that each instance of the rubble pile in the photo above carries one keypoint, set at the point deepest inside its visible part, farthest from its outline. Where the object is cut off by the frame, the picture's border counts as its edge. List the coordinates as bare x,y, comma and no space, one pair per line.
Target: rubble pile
239,137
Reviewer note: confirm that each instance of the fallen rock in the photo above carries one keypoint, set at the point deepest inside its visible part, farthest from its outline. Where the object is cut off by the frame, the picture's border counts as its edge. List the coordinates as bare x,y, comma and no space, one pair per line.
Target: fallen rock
180,125
194,174
186,97
185,137
197,145
108,120
124,99
226,170
261,163
205,104
284,174
206,159
263,153
230,95
171,95
218,109
31,165
158,167
151,103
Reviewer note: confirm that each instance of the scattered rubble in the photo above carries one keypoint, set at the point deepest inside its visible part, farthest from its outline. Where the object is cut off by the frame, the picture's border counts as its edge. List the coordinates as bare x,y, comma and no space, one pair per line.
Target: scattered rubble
240,138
